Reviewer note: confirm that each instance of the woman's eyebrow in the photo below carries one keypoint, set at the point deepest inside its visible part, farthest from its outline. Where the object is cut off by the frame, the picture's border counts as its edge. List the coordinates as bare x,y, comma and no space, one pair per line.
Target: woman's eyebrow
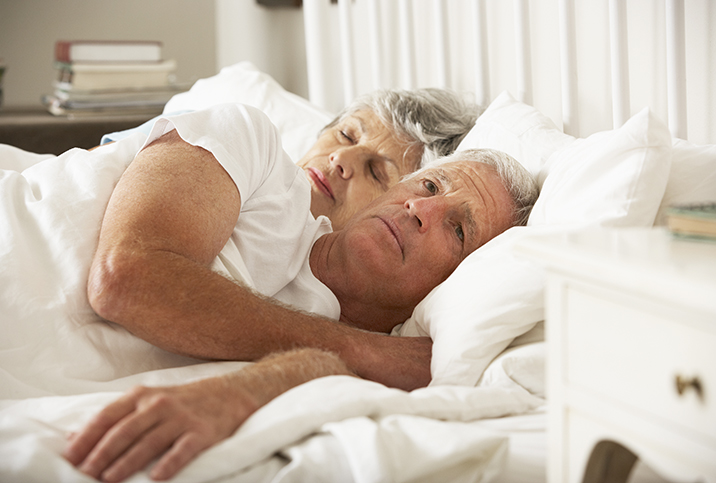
365,130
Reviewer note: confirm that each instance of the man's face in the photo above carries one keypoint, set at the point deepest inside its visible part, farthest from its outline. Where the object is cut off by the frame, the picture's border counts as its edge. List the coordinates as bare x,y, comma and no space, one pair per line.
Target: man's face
411,239
354,162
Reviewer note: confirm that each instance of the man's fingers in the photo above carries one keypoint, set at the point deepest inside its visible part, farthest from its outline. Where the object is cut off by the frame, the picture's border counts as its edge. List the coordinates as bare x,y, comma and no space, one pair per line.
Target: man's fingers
153,443
81,443
181,453
127,430
115,442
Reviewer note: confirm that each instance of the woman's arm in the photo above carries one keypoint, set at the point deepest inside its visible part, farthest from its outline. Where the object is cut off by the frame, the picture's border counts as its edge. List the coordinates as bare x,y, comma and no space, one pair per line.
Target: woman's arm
179,422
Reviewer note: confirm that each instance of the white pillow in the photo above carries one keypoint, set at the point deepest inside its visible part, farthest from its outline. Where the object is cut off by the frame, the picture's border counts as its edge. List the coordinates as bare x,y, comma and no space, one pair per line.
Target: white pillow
615,177
519,130
298,121
692,178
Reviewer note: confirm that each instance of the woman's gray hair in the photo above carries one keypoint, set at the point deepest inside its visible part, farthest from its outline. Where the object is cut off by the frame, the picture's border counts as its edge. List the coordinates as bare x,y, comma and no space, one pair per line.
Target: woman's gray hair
434,119
520,184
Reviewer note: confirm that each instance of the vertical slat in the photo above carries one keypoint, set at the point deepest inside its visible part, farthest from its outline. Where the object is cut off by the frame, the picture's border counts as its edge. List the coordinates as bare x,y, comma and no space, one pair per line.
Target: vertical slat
523,52
315,17
407,43
347,52
443,54
376,44
620,62
676,67
568,52
482,61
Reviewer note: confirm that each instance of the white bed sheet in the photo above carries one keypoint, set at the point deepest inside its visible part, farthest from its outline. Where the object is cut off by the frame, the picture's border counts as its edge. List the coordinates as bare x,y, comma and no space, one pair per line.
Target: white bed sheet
60,363
383,435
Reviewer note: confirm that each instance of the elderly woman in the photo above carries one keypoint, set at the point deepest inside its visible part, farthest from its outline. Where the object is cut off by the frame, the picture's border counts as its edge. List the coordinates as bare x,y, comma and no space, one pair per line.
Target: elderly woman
378,139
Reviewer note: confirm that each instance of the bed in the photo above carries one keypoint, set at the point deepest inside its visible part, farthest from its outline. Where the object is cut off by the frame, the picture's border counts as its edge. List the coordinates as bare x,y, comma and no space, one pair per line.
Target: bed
483,417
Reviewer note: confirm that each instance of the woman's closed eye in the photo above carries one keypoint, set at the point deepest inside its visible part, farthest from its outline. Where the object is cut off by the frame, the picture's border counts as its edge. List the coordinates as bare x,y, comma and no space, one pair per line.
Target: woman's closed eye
345,135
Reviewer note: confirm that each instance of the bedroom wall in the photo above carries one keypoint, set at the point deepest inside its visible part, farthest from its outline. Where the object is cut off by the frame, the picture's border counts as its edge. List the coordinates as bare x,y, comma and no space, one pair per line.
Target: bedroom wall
270,37
29,28
273,40
224,32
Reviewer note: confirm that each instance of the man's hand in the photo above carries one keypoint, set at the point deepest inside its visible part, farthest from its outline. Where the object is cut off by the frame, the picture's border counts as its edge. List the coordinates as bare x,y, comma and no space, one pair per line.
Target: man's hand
401,362
177,423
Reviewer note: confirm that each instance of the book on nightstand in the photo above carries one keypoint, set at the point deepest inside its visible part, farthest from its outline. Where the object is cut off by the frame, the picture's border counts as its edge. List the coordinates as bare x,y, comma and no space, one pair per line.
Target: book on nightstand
108,51
694,220
68,101
125,75
111,77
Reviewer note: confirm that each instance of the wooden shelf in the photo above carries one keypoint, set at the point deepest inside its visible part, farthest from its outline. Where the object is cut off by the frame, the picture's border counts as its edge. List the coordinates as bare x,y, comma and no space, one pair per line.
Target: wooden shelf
38,131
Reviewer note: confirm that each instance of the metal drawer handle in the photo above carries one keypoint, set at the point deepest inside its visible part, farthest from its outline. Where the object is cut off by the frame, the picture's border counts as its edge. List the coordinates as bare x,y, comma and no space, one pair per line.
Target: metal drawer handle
685,383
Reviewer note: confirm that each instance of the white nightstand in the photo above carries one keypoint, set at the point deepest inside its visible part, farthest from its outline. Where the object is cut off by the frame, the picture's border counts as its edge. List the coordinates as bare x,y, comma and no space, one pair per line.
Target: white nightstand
631,334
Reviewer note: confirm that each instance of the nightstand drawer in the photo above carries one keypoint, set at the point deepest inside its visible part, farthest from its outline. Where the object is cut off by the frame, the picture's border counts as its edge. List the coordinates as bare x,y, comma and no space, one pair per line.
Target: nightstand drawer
635,352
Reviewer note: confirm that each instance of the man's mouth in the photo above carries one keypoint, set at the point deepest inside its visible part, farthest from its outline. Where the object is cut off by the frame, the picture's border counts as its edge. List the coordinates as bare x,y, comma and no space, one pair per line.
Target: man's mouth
320,181
395,231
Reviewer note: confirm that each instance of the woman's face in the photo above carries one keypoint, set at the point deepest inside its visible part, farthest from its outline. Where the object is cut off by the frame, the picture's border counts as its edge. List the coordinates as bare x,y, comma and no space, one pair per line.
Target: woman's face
354,162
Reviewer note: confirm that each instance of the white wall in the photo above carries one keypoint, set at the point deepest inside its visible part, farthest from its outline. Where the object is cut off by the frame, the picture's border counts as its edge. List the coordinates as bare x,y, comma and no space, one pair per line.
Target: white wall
205,36
29,29
646,32
271,38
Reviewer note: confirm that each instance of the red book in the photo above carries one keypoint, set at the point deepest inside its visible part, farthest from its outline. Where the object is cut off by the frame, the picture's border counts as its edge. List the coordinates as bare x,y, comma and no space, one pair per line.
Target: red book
108,51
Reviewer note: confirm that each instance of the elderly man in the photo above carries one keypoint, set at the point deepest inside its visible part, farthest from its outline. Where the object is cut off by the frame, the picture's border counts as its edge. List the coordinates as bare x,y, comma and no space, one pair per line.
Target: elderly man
388,257
193,212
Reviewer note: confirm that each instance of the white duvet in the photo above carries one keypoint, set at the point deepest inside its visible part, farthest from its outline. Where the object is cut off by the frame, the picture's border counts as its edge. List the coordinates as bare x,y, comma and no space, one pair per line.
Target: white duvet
60,363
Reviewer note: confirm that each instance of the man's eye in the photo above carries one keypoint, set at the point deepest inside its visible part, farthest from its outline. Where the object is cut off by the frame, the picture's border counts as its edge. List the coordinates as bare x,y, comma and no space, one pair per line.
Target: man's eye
374,173
430,186
460,234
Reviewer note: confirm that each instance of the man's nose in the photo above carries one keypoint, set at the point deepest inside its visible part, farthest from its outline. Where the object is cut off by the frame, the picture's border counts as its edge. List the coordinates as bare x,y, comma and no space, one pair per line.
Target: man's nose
427,212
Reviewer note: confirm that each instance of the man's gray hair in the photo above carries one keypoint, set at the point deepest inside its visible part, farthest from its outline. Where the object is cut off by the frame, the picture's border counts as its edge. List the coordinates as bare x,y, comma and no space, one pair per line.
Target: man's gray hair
520,184
434,119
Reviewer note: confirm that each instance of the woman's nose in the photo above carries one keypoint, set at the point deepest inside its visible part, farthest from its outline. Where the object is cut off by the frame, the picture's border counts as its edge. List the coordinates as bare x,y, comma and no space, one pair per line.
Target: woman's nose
343,162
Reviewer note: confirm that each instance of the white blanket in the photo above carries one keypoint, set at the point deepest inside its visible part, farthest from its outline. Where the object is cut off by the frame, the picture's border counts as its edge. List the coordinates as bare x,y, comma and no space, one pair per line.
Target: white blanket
384,434
60,363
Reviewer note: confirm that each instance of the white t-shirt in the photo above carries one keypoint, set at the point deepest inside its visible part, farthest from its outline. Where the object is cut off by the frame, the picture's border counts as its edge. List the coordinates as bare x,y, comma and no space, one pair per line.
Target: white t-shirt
270,246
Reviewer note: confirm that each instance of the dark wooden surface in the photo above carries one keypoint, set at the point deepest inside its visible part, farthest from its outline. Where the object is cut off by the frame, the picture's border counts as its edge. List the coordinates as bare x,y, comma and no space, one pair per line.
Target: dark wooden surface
38,131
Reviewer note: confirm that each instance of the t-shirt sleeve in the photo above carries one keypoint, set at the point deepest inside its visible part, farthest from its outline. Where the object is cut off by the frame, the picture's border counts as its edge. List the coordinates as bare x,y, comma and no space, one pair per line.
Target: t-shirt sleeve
241,138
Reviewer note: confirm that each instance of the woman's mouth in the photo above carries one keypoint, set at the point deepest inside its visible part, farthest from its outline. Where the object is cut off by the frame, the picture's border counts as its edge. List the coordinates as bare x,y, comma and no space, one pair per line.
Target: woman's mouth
320,181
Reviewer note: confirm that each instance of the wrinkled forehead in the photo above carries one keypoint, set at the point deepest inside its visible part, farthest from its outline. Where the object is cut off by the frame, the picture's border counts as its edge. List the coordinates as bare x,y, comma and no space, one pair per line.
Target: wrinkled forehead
469,176
478,186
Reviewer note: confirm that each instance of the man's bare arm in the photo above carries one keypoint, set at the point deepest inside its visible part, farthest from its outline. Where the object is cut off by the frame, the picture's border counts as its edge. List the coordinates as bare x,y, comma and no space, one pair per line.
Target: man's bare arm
168,218
177,423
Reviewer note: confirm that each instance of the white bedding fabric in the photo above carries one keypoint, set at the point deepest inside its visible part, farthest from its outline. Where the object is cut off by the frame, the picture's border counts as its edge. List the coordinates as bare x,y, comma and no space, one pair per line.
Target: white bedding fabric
383,435
59,364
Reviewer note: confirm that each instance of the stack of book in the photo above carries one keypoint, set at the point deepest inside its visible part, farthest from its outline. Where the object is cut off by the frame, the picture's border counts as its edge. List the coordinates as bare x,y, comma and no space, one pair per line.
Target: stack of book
111,77
693,221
